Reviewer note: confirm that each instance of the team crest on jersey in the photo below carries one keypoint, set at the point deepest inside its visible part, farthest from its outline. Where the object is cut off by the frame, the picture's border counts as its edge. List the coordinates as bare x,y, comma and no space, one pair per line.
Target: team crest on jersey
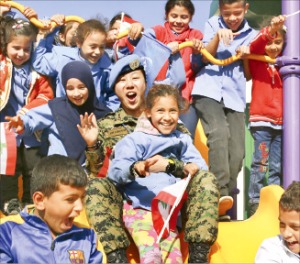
76,256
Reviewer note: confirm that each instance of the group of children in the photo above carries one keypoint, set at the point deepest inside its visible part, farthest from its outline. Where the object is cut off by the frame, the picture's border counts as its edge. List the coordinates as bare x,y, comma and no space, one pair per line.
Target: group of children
71,83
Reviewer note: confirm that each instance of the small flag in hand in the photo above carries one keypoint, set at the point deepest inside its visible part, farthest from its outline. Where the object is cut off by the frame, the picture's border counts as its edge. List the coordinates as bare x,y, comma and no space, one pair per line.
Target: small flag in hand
166,206
8,151
126,22
123,46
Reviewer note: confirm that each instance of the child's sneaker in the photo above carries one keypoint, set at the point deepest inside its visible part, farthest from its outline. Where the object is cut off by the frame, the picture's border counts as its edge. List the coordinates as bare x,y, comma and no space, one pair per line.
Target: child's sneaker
117,256
225,203
198,252
224,218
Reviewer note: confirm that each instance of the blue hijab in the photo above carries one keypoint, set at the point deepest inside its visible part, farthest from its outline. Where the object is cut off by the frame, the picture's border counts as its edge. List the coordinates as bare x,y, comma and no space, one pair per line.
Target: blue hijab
66,115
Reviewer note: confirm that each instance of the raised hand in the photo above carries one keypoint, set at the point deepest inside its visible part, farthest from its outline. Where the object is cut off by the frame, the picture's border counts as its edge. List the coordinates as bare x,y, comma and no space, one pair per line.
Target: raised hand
30,13
197,45
5,8
58,19
135,30
226,36
243,50
174,46
276,24
88,129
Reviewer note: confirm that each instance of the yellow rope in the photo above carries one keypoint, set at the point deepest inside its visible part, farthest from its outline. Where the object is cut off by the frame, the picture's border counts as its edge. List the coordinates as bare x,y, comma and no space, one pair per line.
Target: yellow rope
230,60
213,60
35,21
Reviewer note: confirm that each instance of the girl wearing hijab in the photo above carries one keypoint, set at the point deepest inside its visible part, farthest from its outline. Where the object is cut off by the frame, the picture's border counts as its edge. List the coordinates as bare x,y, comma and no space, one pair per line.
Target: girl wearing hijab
59,118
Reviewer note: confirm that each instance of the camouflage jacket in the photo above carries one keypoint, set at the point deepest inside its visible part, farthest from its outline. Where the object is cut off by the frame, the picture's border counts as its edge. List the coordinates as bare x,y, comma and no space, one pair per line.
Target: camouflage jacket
112,128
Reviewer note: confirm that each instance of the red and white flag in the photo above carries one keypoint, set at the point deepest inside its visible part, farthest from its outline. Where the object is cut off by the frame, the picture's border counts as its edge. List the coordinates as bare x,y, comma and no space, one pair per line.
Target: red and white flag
123,45
126,22
8,151
166,206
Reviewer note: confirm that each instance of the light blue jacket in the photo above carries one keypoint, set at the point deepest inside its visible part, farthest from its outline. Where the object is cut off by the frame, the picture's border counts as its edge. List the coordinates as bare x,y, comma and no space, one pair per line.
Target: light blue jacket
145,143
40,118
224,82
49,60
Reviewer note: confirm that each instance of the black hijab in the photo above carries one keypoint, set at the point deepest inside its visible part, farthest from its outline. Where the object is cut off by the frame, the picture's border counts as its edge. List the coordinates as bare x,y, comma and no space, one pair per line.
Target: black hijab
66,115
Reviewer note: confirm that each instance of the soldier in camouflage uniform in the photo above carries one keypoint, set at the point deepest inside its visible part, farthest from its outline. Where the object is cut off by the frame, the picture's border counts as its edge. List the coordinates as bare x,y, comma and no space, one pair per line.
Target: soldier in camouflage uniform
104,203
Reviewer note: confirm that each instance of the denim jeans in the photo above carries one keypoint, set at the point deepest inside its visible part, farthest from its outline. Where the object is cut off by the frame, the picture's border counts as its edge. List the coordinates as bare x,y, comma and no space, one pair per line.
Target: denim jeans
225,132
266,158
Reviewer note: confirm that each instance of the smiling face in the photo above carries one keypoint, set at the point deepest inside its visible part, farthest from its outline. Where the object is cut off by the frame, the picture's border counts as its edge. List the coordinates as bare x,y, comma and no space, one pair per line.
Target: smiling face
164,114
290,228
130,89
61,207
19,49
76,91
233,14
179,19
275,46
92,48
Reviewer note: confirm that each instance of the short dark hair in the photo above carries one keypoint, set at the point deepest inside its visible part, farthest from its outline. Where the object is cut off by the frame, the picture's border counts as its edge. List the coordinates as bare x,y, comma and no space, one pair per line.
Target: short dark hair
185,3
224,2
290,199
88,26
116,18
56,169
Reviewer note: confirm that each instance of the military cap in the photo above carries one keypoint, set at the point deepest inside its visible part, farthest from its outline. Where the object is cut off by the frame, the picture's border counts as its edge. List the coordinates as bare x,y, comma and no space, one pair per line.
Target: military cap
125,65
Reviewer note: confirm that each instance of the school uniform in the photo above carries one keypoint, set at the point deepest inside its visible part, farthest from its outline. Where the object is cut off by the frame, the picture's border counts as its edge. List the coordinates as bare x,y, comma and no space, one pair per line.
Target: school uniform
220,99
181,68
21,89
59,119
50,60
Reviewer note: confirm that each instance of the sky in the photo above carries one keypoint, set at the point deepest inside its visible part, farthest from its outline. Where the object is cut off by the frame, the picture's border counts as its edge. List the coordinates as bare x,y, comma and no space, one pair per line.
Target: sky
150,13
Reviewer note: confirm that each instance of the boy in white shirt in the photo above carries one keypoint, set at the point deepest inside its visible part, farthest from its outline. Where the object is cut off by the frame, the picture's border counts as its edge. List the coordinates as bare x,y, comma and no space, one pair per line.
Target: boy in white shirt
285,247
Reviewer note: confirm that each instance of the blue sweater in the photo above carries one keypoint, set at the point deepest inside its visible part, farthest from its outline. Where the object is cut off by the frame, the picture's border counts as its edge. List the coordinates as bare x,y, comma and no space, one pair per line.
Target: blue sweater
26,238
49,60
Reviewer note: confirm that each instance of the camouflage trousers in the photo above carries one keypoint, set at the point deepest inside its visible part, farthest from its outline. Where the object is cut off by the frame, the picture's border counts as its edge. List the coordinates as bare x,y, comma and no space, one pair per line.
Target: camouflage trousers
202,209
104,207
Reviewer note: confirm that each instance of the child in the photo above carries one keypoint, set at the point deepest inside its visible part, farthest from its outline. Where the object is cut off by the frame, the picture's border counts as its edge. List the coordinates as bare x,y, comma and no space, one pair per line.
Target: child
178,15
156,134
66,34
219,93
59,118
118,48
284,248
266,111
46,232
21,89
91,40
